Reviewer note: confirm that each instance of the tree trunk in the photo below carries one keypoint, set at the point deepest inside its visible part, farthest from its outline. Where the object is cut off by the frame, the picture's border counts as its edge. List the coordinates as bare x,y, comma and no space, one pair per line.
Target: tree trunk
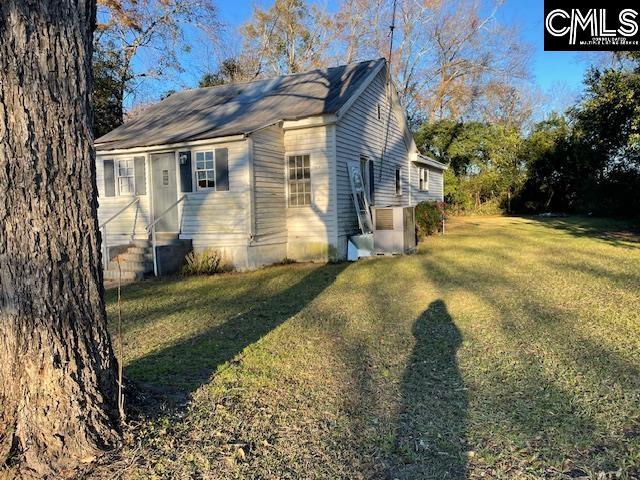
58,407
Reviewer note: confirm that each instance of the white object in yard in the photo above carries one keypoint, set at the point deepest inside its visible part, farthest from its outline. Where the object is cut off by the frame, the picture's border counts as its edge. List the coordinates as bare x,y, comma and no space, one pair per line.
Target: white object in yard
359,246
394,230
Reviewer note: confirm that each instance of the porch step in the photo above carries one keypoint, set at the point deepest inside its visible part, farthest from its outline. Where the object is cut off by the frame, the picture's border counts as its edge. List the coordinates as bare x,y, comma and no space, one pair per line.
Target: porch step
140,255
135,262
137,243
136,259
128,276
129,266
166,237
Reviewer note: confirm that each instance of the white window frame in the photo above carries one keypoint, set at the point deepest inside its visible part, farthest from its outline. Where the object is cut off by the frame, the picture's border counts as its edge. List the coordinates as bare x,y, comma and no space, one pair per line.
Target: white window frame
131,176
423,179
196,169
298,181
398,182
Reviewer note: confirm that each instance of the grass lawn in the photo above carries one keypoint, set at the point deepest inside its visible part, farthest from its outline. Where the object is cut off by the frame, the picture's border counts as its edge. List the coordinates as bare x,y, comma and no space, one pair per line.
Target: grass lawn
510,348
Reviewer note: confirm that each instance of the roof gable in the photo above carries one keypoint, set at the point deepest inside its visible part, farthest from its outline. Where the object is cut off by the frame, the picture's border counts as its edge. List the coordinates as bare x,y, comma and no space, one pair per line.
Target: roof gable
241,108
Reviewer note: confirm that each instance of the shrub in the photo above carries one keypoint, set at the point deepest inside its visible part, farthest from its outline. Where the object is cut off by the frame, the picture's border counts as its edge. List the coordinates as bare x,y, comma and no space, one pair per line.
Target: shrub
205,262
428,218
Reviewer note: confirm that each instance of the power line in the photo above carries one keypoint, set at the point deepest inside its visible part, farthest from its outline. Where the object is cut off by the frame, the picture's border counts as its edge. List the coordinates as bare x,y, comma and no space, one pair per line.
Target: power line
392,28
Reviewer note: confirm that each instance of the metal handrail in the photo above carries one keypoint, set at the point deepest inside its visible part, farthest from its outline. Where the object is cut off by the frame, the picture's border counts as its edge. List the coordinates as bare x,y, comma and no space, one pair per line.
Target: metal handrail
103,227
151,228
173,205
103,224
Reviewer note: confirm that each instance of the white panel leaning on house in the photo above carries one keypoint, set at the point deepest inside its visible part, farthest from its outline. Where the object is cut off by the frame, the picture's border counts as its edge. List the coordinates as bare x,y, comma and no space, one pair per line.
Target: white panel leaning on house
262,164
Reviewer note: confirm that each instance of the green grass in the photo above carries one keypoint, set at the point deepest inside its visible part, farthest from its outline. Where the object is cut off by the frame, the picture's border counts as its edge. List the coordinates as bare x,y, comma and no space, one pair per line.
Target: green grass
510,348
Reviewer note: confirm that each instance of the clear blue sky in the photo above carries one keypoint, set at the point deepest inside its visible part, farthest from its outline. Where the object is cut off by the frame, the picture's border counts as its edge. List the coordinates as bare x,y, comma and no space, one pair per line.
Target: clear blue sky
557,74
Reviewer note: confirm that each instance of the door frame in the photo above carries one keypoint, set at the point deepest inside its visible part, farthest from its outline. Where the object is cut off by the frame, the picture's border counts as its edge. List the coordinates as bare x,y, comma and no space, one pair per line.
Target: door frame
151,185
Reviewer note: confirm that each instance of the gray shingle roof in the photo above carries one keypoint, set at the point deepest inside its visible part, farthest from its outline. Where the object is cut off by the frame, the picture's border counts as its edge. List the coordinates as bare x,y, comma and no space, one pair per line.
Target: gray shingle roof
240,108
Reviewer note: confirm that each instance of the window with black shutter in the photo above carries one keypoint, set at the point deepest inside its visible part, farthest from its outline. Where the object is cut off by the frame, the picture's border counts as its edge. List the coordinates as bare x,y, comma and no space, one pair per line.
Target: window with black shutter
212,169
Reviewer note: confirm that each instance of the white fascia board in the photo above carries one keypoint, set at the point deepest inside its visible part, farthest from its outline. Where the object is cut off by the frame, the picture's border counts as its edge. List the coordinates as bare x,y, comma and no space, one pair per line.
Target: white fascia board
418,158
314,121
169,146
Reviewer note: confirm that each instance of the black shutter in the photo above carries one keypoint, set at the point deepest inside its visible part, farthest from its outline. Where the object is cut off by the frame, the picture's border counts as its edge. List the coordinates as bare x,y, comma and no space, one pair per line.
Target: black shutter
141,175
222,169
186,178
109,179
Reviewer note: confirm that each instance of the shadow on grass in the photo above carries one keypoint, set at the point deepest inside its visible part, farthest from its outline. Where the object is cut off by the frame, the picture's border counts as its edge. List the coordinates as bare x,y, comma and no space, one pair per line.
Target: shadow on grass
171,374
431,424
621,233
534,401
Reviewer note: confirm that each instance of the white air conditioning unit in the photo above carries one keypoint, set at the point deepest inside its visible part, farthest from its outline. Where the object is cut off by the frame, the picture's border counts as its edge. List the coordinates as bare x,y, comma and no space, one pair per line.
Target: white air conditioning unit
394,230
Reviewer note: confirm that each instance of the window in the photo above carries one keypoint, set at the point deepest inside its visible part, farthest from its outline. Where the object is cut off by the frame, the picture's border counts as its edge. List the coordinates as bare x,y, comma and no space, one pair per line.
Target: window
398,182
126,179
205,170
424,179
299,180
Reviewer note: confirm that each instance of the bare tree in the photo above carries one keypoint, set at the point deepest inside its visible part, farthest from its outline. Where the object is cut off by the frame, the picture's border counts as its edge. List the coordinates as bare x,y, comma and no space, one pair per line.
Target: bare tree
58,405
143,39
287,38
446,53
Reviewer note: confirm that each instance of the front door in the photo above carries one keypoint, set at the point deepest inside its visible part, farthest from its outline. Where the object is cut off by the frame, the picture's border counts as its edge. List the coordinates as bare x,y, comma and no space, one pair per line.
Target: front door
165,191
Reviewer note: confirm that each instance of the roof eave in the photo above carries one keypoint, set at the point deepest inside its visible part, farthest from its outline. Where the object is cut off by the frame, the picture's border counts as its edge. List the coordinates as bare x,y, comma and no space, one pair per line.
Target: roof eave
363,86
419,158
103,148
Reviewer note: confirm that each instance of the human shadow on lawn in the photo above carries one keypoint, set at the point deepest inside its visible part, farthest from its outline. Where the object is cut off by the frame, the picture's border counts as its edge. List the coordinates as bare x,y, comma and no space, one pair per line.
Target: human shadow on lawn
168,376
431,424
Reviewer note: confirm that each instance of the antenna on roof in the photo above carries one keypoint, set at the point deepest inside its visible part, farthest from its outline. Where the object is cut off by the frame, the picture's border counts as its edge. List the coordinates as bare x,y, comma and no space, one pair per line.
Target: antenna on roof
392,27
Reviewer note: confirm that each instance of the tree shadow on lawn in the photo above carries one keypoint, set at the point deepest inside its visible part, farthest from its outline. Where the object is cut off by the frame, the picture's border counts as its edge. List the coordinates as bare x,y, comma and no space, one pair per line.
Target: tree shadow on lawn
621,233
430,439
168,376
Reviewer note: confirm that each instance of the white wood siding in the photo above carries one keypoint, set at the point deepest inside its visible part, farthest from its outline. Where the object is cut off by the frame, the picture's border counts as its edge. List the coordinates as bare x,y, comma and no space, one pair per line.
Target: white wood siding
270,208
213,219
312,229
360,132
435,192
132,222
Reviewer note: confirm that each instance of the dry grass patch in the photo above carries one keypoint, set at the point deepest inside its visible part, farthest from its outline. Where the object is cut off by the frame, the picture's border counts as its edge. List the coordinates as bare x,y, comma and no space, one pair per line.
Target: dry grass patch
507,349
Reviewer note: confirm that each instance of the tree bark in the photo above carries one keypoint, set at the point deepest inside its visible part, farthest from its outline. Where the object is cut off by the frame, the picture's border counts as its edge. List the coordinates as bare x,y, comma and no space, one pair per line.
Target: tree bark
58,406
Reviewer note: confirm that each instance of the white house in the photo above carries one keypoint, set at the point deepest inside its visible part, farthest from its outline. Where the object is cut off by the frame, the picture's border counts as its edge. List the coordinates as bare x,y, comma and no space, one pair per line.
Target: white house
258,170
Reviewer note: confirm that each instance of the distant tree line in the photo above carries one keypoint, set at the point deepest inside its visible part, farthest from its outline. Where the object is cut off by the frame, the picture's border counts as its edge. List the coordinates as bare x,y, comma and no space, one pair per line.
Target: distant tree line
586,160
448,58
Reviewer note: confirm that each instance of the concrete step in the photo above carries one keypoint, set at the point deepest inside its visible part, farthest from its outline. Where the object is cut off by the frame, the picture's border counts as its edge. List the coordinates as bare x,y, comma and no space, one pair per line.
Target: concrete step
143,267
139,250
126,276
165,236
138,256
140,243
